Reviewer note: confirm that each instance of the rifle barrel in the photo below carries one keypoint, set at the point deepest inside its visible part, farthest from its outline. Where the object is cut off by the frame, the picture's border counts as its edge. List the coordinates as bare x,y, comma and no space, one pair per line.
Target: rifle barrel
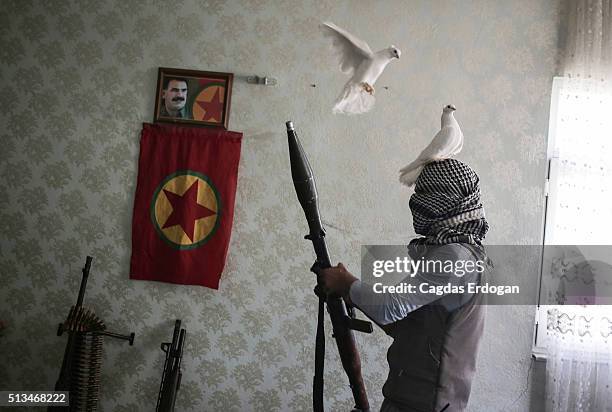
84,280
171,377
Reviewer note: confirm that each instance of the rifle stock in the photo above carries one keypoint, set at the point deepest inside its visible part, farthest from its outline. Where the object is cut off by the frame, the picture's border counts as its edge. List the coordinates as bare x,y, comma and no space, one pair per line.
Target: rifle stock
342,323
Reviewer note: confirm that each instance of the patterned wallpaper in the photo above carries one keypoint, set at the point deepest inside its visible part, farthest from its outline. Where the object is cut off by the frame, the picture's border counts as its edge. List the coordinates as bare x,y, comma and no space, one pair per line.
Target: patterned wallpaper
77,80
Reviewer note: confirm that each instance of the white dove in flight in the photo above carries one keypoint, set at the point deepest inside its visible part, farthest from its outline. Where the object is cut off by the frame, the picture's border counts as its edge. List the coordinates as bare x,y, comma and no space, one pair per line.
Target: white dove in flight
364,66
446,143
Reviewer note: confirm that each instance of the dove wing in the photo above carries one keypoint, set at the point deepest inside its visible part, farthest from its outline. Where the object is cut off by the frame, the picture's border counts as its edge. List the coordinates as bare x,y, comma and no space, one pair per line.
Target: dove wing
443,145
458,146
351,51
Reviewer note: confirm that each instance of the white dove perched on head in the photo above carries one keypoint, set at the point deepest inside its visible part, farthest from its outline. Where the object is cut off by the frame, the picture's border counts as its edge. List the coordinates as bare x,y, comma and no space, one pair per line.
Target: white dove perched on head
446,143
364,66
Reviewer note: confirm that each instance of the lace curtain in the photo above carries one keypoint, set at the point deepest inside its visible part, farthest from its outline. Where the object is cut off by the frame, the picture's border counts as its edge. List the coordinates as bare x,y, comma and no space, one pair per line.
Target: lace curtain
579,338
579,366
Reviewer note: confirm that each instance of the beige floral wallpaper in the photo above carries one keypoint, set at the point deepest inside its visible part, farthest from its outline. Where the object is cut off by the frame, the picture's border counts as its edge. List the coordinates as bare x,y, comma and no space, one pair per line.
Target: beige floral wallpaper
77,79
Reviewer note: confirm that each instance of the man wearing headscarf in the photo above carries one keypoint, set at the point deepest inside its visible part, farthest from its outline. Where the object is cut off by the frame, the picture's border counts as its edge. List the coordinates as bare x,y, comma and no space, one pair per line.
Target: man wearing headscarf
435,337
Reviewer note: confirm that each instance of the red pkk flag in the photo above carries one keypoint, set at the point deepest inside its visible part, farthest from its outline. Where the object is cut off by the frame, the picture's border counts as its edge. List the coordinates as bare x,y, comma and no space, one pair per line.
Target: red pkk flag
184,204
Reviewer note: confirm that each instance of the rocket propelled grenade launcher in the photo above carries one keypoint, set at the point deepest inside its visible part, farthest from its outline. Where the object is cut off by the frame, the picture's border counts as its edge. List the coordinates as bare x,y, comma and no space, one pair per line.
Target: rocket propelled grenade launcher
343,324
306,189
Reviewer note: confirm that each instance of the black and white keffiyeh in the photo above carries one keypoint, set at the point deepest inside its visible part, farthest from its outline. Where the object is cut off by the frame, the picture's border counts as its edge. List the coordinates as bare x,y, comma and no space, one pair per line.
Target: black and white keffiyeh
446,205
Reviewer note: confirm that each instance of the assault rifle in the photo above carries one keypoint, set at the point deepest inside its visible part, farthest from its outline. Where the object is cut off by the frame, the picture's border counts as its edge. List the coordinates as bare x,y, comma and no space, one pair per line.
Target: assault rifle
171,378
343,320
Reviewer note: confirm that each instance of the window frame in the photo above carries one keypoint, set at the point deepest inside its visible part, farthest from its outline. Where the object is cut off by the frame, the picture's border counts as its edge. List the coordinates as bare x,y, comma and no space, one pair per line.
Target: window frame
539,347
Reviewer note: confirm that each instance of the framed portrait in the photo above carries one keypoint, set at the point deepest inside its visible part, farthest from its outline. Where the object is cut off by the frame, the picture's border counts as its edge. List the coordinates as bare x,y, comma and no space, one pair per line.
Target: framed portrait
193,97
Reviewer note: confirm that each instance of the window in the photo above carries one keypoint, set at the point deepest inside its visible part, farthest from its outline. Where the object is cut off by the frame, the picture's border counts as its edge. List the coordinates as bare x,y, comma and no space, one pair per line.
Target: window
578,208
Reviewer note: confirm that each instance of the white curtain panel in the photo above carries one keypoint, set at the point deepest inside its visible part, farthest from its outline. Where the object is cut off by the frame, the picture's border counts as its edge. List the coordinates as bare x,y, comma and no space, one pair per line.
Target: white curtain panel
583,172
579,366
